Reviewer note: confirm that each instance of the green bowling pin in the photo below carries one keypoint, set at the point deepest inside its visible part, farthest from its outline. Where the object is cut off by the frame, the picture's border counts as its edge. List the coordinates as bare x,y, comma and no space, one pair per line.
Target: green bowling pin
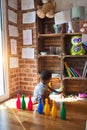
23,102
63,111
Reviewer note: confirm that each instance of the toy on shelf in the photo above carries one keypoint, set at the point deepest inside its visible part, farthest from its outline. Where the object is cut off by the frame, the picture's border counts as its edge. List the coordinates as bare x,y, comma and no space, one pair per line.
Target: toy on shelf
82,95
70,27
47,9
57,28
77,46
83,29
30,104
18,102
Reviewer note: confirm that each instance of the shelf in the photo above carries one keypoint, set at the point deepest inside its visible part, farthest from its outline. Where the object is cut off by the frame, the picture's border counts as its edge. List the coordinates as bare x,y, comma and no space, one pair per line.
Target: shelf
74,78
73,56
49,35
41,56
56,63
70,34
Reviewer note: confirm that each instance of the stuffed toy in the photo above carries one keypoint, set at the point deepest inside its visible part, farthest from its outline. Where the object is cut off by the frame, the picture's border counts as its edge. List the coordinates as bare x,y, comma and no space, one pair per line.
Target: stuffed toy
47,9
77,46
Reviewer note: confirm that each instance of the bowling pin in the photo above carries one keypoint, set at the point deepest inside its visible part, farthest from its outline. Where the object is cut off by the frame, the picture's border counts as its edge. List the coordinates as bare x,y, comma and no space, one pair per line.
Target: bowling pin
46,107
23,102
40,106
18,102
54,110
30,104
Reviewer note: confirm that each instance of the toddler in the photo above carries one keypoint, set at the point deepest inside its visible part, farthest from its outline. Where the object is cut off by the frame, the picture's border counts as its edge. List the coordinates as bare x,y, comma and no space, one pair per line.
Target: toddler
42,89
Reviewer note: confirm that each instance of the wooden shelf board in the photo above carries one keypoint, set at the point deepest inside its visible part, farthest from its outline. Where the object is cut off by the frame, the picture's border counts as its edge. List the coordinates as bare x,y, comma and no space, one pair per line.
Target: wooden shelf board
50,35
70,34
74,78
41,56
77,56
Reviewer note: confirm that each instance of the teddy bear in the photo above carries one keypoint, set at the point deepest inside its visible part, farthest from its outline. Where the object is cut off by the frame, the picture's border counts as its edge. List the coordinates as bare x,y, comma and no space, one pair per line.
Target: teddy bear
47,9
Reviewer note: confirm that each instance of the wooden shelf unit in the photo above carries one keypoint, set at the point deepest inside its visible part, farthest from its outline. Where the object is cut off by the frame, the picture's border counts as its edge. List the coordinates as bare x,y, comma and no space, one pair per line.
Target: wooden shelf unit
47,41
55,62
73,85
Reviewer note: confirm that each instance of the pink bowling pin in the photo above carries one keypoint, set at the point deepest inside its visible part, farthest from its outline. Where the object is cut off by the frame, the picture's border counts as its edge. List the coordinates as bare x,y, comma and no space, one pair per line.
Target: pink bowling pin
18,102
30,104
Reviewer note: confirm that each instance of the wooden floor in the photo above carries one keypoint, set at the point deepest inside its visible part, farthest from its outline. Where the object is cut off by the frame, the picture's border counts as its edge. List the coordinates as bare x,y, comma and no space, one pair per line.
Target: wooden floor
13,119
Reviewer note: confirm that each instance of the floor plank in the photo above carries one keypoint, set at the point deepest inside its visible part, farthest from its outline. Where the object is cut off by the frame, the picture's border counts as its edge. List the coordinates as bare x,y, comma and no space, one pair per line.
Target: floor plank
14,119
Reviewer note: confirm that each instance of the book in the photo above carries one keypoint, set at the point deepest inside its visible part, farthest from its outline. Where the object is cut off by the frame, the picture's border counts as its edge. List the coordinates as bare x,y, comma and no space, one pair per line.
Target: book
73,75
73,72
84,70
78,73
68,70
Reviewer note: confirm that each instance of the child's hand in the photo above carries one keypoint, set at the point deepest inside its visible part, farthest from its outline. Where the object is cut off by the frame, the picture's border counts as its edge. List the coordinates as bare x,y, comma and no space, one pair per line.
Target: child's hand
60,89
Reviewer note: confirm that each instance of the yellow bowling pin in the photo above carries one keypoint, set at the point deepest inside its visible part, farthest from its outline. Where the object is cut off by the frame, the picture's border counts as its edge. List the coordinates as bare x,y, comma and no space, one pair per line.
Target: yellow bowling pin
47,107
54,110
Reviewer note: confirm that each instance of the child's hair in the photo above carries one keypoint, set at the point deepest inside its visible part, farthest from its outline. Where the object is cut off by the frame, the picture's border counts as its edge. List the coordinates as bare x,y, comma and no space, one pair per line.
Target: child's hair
46,75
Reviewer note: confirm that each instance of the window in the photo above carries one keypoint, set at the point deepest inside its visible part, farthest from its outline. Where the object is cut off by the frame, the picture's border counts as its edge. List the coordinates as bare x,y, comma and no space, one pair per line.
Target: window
3,52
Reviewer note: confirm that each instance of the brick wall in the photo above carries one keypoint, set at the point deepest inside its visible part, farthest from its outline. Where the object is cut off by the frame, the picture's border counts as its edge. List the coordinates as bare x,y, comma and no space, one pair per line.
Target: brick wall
14,75
27,67
24,78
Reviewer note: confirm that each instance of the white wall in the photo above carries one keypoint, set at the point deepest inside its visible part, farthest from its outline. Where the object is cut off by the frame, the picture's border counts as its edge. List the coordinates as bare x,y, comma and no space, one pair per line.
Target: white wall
68,4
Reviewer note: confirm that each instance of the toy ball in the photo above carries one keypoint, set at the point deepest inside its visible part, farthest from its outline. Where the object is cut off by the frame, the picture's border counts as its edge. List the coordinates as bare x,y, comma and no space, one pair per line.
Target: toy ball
82,29
77,47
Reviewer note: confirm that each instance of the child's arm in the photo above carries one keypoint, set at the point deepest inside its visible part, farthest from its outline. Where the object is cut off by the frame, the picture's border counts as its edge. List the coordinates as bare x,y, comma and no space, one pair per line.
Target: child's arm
53,90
